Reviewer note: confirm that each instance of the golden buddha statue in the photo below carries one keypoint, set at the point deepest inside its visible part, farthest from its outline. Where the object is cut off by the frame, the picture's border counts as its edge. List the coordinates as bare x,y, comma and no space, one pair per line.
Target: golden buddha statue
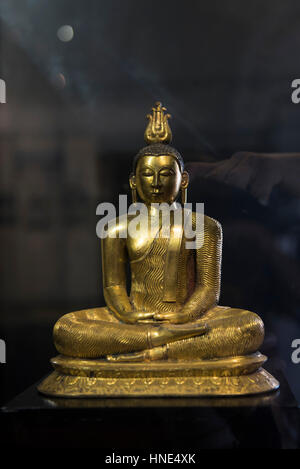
169,336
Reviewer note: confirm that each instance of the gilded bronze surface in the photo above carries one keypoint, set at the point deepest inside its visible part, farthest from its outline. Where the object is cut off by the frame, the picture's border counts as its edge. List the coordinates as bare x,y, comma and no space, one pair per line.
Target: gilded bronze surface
233,376
169,336
158,129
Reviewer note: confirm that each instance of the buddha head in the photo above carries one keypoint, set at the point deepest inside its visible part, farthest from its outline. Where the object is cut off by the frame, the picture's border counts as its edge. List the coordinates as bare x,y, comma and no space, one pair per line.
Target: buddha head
158,169
158,174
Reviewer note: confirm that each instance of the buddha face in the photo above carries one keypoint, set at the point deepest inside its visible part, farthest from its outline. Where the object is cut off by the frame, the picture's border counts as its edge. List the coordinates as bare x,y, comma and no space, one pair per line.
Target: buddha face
158,179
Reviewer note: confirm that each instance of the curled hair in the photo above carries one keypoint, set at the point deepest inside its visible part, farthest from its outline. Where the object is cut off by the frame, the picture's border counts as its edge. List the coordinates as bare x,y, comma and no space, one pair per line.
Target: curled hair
158,149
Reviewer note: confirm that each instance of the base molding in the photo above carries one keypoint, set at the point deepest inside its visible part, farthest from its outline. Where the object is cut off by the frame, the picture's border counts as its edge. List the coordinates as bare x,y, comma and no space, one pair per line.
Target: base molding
234,376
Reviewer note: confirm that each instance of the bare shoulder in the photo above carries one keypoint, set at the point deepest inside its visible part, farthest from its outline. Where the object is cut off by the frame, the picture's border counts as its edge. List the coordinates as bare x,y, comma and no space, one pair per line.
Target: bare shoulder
116,228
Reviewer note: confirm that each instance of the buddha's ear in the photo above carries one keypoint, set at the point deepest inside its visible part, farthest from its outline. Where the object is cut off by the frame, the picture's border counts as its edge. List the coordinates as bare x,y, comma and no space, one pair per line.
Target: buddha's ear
185,180
132,181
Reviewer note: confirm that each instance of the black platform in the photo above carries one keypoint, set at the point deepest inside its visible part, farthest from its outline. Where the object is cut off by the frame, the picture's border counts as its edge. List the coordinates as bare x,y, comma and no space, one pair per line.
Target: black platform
265,421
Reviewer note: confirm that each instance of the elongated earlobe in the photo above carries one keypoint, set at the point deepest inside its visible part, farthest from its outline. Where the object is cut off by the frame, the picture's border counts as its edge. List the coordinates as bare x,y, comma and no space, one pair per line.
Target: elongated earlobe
184,186
133,196
132,184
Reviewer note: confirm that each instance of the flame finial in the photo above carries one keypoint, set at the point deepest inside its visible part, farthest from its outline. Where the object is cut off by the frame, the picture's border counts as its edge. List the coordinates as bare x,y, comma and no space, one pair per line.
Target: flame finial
158,129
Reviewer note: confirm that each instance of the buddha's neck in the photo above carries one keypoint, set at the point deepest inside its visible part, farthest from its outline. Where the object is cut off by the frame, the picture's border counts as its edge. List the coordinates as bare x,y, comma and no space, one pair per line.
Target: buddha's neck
157,216
153,209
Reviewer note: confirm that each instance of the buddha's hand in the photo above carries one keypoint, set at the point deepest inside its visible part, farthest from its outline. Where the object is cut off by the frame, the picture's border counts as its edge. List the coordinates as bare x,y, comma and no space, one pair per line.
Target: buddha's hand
137,316
175,318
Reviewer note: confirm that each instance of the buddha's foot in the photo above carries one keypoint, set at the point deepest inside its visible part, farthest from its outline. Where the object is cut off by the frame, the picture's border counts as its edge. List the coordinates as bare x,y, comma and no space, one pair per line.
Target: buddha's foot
157,353
158,338
172,332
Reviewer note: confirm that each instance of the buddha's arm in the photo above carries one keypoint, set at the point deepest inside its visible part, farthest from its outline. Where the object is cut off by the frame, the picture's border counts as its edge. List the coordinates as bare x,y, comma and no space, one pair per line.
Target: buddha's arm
208,272
114,259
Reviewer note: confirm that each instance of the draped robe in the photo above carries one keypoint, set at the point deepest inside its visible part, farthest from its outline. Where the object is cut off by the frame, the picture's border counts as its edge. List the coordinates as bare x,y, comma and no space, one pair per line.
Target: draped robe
156,286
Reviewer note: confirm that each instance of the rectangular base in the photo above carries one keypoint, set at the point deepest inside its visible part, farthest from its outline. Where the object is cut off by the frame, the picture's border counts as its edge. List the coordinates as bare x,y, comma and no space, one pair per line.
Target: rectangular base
229,376
61,385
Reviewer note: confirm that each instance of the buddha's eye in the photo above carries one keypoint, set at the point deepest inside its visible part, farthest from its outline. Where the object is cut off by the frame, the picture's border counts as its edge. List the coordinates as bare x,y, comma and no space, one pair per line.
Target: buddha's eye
147,173
166,172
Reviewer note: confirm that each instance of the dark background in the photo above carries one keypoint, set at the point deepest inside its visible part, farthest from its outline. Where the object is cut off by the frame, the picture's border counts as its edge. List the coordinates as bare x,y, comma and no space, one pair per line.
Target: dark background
75,117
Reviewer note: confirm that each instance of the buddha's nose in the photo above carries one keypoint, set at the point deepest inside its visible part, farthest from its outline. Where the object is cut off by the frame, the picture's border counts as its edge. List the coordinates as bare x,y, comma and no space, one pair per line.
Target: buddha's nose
156,181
